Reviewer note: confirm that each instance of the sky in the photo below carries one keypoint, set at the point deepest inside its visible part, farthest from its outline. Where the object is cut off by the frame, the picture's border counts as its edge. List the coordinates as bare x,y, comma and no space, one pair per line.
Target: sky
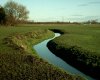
61,10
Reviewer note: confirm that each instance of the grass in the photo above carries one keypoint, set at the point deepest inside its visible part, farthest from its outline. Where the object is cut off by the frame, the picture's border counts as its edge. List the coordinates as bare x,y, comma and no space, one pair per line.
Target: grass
85,36
18,61
88,42
81,44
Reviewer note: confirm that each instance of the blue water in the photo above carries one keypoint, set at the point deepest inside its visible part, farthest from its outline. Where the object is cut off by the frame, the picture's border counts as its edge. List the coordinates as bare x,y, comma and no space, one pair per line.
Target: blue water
46,54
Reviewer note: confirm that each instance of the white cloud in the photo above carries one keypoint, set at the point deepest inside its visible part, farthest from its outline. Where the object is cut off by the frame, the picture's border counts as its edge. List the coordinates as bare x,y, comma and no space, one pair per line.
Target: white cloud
90,3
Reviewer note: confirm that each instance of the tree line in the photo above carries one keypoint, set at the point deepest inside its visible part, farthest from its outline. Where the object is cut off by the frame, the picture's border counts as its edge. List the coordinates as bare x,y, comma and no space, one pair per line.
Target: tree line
12,13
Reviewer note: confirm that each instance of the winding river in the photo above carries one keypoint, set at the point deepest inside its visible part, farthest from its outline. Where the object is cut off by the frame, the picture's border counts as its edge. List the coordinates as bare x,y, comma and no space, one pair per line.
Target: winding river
47,55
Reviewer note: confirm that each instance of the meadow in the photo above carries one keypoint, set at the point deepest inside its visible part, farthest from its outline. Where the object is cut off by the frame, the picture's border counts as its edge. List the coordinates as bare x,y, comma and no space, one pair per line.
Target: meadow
18,60
79,46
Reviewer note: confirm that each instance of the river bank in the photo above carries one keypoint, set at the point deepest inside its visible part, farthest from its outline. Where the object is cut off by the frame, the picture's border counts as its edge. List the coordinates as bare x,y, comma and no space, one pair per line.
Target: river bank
21,62
75,56
46,54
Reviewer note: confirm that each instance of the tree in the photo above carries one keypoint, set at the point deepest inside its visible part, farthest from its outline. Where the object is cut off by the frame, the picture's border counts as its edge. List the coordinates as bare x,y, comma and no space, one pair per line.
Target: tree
2,15
15,12
92,21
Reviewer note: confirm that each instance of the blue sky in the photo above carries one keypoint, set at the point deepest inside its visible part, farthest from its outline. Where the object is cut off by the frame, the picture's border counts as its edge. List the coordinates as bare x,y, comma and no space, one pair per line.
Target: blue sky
61,10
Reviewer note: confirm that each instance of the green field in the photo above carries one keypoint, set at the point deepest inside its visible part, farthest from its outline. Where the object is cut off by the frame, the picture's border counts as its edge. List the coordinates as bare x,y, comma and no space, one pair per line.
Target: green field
18,61
82,36
79,46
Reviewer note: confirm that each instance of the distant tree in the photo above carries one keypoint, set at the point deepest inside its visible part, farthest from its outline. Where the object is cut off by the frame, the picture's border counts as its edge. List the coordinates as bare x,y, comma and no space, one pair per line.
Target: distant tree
15,12
91,22
2,15
94,21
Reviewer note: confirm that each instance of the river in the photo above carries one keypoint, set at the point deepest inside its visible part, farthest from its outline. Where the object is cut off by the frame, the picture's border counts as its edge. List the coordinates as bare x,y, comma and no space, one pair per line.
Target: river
46,54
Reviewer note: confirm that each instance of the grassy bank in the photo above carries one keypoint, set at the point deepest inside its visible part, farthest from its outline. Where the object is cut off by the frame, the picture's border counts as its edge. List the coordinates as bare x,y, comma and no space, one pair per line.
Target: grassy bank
79,46
18,61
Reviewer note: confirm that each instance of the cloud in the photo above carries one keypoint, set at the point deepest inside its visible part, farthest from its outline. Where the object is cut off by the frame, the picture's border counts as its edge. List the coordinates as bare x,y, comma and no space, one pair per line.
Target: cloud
81,5
77,15
84,18
92,17
95,2
89,3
